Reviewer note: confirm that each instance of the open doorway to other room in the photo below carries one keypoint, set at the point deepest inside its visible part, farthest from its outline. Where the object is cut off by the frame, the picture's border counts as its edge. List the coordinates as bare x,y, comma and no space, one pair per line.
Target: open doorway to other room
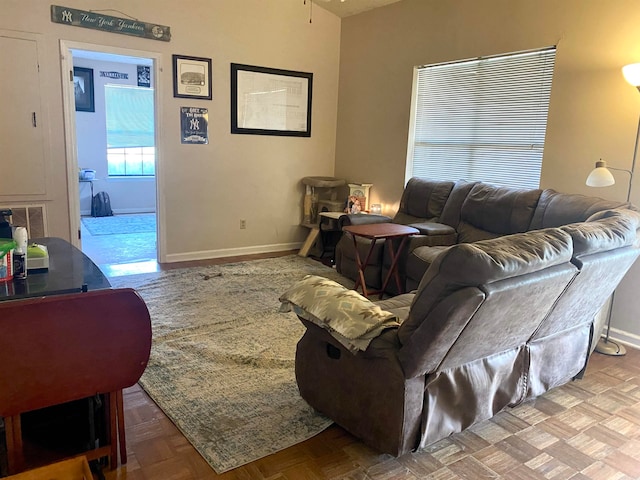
115,137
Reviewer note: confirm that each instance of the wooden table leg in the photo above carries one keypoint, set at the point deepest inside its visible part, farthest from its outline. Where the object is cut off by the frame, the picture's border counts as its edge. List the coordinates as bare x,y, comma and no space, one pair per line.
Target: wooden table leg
361,282
13,435
113,430
393,270
121,434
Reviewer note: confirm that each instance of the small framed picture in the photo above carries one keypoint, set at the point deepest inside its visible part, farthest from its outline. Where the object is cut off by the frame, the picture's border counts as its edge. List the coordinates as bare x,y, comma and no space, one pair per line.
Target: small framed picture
192,77
144,76
83,89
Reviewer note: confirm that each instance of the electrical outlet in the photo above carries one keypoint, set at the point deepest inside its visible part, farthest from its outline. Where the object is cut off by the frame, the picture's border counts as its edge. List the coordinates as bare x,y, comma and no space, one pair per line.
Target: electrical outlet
243,224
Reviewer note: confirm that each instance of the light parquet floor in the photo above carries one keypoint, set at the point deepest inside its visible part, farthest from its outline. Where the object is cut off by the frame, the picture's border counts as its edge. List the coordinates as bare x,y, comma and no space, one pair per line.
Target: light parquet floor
588,429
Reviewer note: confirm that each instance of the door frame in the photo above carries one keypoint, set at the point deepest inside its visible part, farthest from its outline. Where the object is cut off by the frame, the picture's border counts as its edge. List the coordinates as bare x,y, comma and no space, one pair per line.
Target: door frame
69,115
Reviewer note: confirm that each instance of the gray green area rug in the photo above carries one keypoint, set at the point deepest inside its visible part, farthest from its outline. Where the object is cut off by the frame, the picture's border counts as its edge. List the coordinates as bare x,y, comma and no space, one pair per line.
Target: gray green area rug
222,360
117,224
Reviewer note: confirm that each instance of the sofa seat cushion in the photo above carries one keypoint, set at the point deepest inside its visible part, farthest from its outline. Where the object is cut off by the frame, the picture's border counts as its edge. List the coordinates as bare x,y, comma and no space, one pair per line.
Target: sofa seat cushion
419,262
351,319
398,305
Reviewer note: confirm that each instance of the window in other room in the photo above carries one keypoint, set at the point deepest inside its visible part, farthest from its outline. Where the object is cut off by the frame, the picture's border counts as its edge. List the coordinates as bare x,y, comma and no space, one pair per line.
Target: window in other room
130,131
481,120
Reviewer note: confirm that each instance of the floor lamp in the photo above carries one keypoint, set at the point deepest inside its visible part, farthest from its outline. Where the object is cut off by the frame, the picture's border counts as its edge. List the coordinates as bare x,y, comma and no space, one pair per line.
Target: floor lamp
602,177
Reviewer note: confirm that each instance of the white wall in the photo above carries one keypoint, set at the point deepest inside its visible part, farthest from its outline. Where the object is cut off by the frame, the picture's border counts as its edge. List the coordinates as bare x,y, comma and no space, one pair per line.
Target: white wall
206,189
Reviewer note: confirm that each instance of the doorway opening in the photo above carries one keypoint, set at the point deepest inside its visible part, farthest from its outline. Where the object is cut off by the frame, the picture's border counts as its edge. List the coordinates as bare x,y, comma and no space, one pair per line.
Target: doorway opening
114,123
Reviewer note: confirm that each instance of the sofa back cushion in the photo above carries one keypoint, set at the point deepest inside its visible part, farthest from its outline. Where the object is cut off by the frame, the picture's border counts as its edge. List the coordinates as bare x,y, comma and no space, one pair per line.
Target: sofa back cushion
490,212
512,281
451,212
603,231
422,200
556,209
603,250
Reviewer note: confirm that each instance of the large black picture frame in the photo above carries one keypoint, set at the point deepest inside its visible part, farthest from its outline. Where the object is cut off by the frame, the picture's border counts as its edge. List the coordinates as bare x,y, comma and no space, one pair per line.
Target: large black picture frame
270,101
83,89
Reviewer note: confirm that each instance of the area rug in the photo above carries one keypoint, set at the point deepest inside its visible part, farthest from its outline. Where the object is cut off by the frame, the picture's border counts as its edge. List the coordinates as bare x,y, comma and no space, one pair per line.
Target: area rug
222,360
117,224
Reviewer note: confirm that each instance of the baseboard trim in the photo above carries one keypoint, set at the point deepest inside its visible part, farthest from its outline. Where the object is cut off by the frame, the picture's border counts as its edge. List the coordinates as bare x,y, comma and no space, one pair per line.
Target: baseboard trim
626,338
231,252
121,211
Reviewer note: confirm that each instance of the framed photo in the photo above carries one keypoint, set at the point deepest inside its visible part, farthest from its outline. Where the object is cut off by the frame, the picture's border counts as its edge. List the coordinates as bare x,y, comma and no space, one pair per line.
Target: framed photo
192,77
144,76
83,89
267,101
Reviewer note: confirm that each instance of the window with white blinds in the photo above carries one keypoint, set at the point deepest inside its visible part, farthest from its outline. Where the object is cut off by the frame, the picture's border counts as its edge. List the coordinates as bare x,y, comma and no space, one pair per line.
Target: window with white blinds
130,131
482,120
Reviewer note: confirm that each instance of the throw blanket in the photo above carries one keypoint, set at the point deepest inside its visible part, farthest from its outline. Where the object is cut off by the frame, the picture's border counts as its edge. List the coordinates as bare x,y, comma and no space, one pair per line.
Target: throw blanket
350,318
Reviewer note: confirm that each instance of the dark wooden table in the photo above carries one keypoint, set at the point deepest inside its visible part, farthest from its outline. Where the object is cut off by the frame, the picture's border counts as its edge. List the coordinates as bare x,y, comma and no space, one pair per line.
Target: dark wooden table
375,232
69,271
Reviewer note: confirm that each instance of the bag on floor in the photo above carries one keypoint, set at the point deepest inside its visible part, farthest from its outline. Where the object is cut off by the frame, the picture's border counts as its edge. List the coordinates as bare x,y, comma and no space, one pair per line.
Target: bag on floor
101,205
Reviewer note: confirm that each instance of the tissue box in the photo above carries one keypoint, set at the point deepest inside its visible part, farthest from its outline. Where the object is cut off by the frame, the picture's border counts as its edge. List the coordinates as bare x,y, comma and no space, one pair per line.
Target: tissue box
37,257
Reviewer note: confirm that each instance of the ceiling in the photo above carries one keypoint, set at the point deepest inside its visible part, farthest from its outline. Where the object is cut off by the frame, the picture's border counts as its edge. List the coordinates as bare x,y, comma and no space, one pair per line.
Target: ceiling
345,8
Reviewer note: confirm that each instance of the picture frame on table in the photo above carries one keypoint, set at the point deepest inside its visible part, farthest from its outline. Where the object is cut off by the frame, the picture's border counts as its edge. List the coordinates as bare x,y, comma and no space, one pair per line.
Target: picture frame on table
83,89
270,101
192,77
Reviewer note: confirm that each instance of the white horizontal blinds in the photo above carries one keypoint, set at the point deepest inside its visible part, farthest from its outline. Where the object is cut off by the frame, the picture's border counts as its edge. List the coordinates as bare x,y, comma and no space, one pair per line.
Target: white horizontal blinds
130,116
483,119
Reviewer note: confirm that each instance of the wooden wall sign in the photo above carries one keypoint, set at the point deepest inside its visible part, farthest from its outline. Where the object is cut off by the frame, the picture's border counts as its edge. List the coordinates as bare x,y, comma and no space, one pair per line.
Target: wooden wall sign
107,23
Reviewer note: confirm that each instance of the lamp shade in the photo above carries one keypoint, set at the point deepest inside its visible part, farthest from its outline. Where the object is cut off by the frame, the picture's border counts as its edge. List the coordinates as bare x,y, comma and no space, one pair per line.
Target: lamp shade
632,74
600,176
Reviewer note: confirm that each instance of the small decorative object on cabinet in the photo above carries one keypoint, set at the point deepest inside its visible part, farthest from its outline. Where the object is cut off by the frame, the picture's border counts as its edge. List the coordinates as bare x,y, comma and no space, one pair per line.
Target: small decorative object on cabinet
361,193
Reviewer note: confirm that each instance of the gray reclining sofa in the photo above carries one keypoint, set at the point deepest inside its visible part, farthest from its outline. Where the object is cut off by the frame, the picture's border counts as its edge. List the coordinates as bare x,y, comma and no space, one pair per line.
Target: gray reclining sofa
494,320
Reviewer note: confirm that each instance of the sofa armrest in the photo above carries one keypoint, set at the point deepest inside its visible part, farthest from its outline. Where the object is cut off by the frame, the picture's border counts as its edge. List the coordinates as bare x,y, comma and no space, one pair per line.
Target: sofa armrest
433,228
416,241
361,219
432,234
353,320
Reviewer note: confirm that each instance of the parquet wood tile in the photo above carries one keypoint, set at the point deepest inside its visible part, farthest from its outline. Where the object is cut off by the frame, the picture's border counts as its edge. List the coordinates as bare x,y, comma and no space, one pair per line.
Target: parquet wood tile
497,460
586,430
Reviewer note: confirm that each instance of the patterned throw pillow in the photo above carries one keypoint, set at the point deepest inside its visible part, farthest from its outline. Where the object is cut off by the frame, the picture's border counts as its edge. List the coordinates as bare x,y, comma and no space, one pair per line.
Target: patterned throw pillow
351,319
